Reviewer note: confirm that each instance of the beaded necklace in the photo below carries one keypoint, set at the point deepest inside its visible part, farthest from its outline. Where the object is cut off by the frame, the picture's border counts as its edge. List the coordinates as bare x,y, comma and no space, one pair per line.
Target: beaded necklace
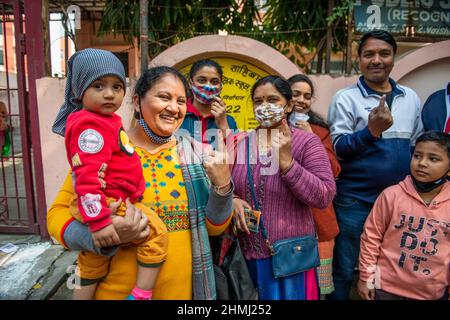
153,136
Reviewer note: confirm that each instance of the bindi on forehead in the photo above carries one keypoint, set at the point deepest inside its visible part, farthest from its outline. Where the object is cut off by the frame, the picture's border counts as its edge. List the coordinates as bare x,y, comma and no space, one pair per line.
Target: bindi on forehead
269,96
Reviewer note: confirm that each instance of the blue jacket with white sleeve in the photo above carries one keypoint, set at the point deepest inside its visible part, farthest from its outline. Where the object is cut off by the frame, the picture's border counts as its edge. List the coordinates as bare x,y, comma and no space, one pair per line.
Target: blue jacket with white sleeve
370,164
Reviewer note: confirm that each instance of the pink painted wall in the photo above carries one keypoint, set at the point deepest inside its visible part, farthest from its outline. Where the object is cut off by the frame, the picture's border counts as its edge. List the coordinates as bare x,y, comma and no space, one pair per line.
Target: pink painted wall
325,87
241,48
425,70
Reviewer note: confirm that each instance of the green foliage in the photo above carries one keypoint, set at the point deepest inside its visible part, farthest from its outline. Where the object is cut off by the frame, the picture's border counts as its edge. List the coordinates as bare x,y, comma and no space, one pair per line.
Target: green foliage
291,16
288,25
340,11
307,20
121,18
243,18
169,21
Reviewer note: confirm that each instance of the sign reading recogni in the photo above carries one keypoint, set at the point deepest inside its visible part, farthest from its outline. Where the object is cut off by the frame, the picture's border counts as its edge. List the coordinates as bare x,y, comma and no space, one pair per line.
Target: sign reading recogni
238,79
428,17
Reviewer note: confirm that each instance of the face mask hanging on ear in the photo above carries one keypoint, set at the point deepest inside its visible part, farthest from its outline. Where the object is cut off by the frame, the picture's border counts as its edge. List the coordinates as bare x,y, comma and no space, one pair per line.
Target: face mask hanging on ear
269,114
205,94
295,117
424,187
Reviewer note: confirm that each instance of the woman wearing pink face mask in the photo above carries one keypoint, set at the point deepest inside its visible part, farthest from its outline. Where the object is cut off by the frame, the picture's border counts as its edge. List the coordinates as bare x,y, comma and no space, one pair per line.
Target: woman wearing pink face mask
206,110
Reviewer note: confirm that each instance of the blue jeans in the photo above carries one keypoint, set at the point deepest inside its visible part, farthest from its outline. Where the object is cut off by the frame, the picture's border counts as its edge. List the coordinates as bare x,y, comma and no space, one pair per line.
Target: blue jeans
351,215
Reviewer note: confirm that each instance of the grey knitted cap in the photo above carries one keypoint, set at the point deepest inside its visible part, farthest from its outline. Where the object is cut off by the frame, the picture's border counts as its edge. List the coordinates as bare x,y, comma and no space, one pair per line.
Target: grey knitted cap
83,68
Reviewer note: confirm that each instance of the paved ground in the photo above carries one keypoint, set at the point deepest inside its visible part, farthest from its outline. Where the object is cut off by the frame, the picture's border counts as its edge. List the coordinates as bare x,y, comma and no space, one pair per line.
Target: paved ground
35,271
38,270
63,293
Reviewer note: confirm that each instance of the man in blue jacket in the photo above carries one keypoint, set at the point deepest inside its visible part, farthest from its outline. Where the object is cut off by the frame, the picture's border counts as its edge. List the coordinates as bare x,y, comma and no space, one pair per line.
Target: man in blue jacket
436,111
373,125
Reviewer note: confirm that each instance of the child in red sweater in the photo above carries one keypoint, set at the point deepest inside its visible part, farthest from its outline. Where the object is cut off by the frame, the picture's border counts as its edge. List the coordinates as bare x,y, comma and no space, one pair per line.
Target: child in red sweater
105,168
405,246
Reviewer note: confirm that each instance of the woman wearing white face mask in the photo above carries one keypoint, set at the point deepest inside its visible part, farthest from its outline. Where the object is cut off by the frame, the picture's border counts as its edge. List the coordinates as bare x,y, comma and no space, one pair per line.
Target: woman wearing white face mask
327,228
290,172
206,110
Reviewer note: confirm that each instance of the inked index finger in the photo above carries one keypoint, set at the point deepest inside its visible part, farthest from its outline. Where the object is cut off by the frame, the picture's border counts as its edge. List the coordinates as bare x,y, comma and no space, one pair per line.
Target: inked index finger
285,128
221,147
382,103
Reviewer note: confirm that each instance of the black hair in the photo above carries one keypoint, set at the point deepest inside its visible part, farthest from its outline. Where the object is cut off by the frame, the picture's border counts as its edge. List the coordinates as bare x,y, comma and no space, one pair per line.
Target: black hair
314,118
441,138
279,83
205,63
149,78
377,34
302,78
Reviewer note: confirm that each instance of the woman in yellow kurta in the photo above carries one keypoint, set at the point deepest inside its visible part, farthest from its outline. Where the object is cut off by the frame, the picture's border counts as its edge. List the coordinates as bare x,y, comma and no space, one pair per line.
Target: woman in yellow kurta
176,189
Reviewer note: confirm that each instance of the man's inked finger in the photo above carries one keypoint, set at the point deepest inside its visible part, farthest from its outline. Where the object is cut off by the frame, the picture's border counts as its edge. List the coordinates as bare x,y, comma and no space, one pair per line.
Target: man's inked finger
382,103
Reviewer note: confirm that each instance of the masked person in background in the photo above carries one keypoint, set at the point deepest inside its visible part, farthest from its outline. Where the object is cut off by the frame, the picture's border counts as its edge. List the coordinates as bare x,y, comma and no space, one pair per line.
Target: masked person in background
304,118
206,110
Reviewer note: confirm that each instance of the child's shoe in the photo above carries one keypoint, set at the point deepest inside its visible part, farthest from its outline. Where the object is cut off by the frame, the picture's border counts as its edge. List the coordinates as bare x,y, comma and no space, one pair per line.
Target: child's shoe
139,294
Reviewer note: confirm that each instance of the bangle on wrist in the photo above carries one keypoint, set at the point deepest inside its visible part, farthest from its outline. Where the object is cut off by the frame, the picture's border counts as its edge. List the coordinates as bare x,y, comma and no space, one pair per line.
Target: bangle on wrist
218,189
288,167
222,186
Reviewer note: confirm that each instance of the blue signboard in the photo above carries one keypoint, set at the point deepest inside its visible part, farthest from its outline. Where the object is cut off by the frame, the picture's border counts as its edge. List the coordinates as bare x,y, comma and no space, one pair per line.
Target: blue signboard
420,17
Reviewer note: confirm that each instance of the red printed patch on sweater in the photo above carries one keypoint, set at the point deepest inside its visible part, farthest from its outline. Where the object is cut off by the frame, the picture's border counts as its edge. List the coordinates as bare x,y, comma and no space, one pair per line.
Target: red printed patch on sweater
91,204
